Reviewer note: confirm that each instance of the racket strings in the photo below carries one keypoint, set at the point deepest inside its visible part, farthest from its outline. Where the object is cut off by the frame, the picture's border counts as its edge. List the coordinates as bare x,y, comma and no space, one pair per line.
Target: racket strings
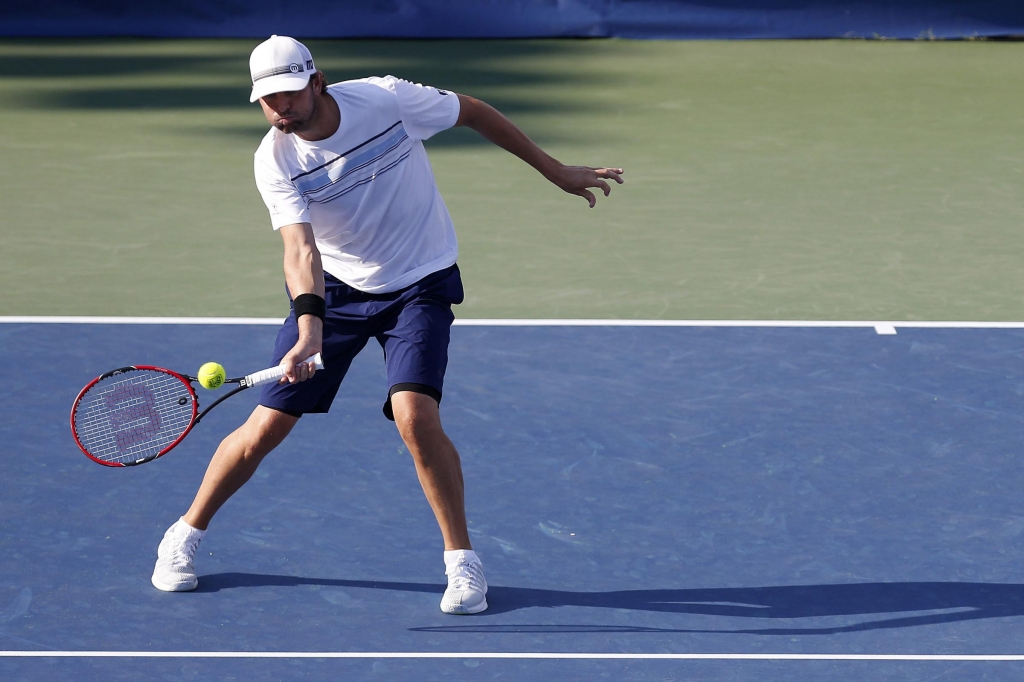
133,415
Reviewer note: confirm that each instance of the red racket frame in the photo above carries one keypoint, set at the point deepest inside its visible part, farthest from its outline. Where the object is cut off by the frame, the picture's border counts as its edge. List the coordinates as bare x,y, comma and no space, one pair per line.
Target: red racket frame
186,380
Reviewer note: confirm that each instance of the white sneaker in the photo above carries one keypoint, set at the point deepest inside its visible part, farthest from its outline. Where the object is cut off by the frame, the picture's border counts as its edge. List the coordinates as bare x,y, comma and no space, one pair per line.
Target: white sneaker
174,571
467,587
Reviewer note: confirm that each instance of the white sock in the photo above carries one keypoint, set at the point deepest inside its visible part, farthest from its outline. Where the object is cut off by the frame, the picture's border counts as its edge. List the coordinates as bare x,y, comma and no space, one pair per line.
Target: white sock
457,556
183,522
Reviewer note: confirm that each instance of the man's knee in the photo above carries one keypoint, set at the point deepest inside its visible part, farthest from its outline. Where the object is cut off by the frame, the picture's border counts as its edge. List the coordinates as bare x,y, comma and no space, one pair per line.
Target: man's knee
417,417
265,429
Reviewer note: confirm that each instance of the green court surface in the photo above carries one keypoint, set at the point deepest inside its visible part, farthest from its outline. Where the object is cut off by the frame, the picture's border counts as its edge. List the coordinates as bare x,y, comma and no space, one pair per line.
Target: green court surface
766,180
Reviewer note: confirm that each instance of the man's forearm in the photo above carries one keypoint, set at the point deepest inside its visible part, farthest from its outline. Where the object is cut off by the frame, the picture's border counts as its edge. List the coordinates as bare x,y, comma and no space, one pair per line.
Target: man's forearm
303,274
495,127
303,271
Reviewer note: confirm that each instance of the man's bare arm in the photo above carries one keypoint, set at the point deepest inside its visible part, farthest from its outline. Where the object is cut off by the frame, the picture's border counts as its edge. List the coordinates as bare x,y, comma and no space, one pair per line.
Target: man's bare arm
304,274
494,126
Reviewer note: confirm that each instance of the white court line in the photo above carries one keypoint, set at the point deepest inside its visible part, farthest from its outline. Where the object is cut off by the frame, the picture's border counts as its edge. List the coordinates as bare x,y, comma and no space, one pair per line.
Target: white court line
508,655
16,319
881,327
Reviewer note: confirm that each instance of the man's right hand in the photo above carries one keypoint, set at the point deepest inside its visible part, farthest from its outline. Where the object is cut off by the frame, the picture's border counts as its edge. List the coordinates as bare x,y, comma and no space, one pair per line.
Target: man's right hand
311,330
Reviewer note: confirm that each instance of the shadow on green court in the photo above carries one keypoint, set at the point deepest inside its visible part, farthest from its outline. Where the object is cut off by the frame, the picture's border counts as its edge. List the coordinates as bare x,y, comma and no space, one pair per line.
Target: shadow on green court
125,76
28,65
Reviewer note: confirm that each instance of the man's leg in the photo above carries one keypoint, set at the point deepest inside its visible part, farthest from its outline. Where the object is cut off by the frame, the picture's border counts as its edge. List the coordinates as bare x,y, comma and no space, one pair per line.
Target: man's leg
440,472
232,465
437,463
236,461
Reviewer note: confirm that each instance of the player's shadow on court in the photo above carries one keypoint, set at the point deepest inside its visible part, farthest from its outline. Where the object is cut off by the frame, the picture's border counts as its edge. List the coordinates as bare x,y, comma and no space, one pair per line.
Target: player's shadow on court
884,605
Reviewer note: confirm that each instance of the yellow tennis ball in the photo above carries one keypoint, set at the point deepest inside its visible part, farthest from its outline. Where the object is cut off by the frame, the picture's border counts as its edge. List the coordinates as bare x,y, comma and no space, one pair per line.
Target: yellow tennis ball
211,375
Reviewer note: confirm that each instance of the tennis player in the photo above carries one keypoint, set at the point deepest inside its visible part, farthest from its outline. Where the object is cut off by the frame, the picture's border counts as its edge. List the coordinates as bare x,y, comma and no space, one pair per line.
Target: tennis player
369,253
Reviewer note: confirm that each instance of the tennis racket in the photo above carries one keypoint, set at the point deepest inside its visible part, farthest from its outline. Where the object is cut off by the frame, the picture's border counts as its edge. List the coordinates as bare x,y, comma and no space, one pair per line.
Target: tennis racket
134,415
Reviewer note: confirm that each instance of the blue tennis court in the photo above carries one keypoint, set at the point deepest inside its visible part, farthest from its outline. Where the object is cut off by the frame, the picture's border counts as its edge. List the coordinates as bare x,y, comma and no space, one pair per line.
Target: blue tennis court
704,503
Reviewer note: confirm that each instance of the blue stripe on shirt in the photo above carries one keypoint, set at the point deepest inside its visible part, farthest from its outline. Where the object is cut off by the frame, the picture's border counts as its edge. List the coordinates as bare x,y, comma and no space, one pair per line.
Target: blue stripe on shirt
344,167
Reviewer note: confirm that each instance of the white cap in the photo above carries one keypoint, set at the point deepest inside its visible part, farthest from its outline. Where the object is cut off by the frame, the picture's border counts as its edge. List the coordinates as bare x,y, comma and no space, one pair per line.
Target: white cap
279,64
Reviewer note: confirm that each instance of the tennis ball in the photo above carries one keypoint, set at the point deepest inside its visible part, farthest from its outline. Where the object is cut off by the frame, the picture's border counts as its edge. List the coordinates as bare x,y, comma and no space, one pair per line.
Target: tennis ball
211,375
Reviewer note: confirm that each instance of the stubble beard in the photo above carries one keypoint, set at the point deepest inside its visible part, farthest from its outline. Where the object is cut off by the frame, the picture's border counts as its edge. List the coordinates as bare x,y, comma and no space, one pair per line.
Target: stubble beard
299,125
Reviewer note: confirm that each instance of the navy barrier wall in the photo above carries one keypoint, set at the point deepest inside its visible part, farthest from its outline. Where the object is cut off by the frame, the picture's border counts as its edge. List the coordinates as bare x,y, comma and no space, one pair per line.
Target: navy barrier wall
912,19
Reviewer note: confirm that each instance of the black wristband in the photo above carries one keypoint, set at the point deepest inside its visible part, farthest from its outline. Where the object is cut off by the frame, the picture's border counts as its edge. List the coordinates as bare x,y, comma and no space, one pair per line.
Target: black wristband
309,304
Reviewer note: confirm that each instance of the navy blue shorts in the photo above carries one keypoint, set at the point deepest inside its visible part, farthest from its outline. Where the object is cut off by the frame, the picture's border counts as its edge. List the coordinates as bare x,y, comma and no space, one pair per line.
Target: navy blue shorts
412,325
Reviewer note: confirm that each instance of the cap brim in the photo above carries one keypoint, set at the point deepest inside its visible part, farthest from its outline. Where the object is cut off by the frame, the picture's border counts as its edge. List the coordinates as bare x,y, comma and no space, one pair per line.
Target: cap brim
283,83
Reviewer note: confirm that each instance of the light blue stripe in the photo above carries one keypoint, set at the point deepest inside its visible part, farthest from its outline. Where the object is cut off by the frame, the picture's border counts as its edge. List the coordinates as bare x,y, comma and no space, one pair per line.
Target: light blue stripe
325,176
380,170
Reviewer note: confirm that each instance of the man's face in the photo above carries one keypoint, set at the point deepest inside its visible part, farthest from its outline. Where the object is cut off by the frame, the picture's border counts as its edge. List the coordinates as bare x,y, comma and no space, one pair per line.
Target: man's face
291,112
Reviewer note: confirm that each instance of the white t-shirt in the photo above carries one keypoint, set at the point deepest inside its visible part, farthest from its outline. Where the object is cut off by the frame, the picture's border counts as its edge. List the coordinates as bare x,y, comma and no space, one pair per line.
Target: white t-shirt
368,190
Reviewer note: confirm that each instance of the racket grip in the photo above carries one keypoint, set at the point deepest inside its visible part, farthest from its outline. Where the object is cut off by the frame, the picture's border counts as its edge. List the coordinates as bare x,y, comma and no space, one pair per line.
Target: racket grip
274,373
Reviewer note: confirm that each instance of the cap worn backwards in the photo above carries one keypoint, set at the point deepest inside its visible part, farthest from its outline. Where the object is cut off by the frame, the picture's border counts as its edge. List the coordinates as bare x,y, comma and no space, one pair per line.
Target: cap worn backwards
279,64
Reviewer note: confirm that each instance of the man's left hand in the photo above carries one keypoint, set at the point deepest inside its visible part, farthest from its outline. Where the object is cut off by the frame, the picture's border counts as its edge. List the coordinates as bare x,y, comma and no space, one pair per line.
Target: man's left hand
577,179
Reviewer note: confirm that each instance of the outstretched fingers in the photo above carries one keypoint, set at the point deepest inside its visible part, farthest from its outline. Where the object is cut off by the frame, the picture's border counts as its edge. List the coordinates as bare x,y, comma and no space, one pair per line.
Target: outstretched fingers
610,173
579,179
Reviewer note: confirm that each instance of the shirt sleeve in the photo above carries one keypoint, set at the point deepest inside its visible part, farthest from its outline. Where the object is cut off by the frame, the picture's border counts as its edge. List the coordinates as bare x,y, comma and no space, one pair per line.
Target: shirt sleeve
425,111
286,205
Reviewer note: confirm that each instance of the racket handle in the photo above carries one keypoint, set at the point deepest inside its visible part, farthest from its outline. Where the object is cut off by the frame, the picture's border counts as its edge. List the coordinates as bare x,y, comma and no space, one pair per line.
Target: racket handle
274,373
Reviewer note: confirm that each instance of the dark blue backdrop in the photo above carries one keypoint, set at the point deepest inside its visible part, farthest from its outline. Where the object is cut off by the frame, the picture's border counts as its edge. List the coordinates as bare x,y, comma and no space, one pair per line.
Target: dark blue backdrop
516,18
